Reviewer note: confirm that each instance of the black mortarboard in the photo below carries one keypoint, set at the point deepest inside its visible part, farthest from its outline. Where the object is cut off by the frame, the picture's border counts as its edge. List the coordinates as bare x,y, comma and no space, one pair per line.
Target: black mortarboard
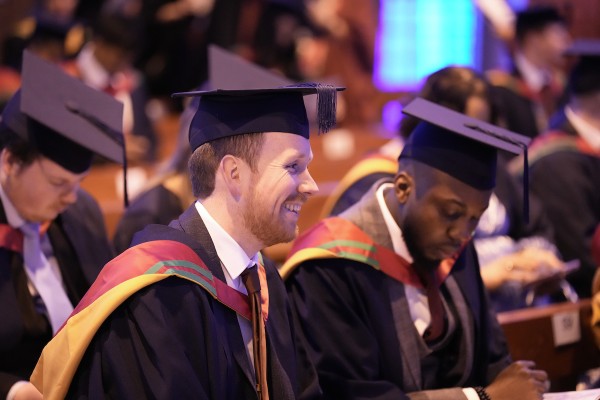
584,47
66,120
584,77
222,113
228,70
461,146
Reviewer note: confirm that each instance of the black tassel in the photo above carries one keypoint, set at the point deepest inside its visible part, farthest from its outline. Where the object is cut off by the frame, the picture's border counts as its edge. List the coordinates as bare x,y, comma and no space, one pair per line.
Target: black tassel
326,105
525,184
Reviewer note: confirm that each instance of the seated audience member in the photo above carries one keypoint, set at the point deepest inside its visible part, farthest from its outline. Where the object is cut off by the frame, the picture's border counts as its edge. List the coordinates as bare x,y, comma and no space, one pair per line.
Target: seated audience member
105,63
54,241
396,277
143,331
529,93
514,255
565,167
49,39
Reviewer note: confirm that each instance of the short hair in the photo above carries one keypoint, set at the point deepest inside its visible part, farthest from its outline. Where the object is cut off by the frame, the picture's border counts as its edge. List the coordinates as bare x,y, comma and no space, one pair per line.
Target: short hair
450,87
205,159
118,30
536,19
21,148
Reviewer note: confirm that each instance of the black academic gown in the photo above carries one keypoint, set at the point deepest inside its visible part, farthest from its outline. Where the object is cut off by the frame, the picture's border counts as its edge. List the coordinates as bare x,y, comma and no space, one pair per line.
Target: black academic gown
81,247
363,341
516,109
568,184
173,340
157,205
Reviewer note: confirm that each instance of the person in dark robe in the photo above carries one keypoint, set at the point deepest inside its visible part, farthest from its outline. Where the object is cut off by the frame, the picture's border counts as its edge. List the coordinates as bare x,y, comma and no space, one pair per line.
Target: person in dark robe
170,317
530,91
46,149
515,256
565,166
388,294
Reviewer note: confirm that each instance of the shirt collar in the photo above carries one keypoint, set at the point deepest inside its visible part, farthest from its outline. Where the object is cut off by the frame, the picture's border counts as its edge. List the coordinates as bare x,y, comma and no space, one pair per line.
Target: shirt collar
92,73
394,230
588,132
535,77
231,254
12,216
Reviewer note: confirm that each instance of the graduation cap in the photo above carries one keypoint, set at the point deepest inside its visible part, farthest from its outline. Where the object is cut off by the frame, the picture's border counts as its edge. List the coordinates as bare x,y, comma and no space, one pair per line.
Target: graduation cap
227,70
461,146
584,47
584,77
229,112
66,120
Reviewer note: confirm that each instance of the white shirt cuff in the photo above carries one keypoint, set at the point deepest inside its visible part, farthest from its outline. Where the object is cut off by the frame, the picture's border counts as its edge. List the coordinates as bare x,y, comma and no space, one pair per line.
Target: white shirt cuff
471,394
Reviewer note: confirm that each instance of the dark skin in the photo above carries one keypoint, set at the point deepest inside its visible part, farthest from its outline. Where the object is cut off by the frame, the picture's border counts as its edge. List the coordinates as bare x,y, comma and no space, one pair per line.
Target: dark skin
437,213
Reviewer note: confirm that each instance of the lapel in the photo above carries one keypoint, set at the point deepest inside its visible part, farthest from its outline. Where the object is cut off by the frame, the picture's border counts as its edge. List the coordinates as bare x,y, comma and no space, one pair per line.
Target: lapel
366,214
191,223
12,322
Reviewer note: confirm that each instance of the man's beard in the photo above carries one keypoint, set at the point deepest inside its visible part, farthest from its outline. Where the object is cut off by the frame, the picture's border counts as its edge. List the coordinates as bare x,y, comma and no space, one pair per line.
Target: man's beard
268,229
410,234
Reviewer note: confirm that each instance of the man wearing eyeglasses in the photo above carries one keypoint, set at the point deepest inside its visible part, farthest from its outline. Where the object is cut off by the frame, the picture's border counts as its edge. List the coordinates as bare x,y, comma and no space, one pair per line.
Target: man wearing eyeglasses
53,240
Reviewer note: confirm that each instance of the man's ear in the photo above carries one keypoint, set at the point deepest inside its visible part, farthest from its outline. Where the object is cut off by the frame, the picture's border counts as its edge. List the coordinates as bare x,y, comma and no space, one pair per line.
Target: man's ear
230,172
8,161
403,186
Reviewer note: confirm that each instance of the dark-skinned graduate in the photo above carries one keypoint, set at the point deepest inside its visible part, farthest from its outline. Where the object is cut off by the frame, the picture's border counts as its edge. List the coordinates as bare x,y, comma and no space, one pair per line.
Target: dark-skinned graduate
388,294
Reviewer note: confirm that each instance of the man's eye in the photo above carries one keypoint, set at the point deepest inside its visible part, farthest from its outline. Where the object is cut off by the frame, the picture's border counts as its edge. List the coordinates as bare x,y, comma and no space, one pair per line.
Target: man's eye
293,167
452,215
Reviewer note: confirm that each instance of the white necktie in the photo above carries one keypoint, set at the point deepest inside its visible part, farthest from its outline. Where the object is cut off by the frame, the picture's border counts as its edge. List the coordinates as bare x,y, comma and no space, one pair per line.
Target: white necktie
44,278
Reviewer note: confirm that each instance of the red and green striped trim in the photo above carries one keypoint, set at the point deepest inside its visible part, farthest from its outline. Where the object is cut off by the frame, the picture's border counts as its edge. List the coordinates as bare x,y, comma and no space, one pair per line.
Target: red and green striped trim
186,269
336,237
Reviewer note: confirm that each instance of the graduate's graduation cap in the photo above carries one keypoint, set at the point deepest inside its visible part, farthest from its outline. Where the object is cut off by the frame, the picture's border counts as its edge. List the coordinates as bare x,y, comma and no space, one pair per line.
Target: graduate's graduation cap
463,147
584,77
255,101
64,119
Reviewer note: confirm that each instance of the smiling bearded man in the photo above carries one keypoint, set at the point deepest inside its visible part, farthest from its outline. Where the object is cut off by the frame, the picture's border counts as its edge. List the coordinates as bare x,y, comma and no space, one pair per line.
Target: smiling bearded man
192,310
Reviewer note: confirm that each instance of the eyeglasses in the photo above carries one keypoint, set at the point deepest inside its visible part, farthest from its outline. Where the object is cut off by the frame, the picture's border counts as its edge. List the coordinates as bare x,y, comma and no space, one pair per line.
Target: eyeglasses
59,184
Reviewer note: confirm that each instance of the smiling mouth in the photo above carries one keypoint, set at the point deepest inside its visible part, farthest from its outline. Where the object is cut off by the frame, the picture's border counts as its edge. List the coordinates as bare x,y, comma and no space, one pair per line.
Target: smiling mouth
294,208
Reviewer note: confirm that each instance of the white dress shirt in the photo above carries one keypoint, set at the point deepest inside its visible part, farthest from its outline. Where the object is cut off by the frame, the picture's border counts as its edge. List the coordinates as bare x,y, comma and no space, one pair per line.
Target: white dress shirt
233,261
418,305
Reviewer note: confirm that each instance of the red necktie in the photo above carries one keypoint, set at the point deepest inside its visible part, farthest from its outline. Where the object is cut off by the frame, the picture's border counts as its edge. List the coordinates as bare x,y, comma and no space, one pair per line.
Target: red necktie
251,280
436,308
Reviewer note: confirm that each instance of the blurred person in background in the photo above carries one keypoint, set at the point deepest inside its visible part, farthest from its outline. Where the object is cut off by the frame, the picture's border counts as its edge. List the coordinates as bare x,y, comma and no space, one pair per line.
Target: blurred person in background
565,166
528,94
105,63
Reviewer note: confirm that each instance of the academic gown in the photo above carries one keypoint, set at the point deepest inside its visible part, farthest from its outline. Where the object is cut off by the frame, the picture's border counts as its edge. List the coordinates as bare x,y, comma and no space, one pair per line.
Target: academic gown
157,205
568,182
516,102
173,340
361,337
81,247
